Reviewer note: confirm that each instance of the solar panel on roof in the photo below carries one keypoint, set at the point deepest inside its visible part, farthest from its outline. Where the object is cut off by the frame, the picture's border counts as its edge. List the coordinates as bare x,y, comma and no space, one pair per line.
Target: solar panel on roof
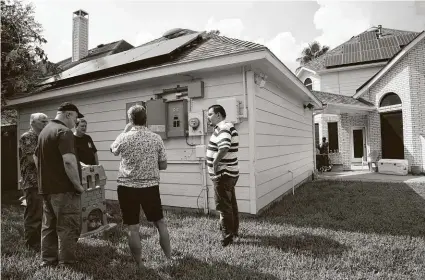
371,55
137,54
369,45
333,60
387,42
357,57
353,47
367,36
389,51
353,57
405,39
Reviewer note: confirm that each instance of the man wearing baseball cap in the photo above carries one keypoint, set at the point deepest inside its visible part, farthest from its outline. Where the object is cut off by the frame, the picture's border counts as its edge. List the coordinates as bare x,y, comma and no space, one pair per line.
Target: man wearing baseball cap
59,178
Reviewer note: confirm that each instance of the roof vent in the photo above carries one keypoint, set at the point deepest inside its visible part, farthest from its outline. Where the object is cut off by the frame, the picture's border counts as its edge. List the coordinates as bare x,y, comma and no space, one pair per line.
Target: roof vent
101,45
379,31
175,32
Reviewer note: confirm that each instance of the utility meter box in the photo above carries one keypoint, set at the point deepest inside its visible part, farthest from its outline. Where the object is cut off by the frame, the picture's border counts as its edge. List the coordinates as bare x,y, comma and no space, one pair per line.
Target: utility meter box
195,89
196,123
177,118
200,151
157,117
231,106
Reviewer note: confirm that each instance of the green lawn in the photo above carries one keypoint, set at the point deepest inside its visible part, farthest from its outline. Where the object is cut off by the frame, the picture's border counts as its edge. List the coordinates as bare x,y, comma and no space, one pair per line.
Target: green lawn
326,231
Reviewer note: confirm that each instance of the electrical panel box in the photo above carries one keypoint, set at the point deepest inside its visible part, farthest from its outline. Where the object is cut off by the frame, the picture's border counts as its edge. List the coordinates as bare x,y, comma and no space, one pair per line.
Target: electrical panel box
200,151
177,118
231,106
196,124
157,116
128,105
195,89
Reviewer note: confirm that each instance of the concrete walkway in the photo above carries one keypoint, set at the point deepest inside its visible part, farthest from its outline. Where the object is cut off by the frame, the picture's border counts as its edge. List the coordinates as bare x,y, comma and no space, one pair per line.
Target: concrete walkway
365,175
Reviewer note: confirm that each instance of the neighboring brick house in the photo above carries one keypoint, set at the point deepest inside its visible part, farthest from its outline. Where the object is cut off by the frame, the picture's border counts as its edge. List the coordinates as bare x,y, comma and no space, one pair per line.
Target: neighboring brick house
398,91
375,78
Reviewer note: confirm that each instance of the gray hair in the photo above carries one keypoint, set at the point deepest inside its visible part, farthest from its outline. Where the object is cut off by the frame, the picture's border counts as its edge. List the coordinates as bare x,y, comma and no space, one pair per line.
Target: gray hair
137,114
37,116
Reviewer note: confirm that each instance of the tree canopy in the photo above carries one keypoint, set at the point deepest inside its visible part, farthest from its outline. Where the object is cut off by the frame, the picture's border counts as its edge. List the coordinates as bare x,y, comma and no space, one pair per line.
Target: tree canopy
314,50
23,61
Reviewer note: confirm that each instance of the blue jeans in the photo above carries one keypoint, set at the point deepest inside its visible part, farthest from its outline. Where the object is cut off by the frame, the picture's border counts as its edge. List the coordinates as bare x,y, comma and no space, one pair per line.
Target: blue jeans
226,204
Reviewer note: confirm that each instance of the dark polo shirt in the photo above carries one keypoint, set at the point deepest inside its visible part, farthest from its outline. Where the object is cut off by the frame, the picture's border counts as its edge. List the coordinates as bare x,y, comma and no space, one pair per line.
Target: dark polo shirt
54,141
86,149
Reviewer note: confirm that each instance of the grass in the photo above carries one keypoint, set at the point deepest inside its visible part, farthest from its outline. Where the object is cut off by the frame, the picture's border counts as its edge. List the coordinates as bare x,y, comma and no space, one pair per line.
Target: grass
328,230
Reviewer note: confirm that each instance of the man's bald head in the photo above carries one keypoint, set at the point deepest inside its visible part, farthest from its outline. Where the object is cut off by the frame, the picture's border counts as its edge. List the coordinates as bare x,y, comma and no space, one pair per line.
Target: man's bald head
38,121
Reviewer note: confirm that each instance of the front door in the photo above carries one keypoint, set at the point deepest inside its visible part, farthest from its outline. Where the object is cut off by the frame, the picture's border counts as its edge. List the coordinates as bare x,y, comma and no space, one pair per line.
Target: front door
358,141
392,135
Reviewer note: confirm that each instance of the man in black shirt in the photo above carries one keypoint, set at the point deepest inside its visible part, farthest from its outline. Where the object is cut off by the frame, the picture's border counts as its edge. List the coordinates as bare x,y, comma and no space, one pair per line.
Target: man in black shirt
59,182
86,150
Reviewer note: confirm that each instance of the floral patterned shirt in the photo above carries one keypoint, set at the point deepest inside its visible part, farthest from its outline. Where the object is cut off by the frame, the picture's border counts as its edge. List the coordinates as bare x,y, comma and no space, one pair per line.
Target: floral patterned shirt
141,151
27,145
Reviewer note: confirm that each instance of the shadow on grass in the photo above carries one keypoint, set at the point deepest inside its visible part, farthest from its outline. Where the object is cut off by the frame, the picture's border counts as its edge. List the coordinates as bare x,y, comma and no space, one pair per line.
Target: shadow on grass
105,262
383,208
193,268
306,244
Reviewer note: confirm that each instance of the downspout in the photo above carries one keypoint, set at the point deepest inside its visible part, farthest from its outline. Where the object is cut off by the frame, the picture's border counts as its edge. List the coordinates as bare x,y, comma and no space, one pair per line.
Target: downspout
314,144
204,175
245,94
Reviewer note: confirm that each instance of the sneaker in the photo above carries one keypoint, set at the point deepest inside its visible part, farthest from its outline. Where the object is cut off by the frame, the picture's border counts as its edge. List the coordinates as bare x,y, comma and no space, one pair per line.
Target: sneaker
226,241
236,237
48,264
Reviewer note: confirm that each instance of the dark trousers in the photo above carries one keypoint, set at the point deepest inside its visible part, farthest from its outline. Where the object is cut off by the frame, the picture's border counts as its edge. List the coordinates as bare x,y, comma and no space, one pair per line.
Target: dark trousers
32,217
226,204
61,227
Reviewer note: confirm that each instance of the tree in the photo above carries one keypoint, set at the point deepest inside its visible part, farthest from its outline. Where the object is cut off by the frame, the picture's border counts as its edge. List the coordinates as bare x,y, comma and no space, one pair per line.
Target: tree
314,50
23,62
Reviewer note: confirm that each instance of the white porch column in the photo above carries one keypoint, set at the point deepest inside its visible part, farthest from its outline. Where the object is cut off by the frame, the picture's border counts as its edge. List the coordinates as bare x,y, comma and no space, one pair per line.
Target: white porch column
345,141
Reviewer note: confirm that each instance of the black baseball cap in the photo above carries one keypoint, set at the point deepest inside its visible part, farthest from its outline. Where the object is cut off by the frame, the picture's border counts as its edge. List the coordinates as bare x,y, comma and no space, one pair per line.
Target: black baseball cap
68,106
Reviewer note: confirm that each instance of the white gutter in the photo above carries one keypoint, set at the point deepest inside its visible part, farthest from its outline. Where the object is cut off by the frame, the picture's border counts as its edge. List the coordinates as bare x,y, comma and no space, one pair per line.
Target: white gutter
347,68
143,75
204,171
351,107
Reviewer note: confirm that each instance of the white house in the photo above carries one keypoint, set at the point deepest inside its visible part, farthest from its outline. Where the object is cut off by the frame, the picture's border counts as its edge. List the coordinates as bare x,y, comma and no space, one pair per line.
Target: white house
183,73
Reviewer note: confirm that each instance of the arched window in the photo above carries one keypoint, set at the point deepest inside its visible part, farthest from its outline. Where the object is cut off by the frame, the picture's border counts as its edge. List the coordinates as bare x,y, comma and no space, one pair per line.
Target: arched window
308,83
390,99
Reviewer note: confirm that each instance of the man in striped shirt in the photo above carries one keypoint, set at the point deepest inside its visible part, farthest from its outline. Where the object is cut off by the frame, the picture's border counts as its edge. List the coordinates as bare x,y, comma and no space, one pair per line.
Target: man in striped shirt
223,168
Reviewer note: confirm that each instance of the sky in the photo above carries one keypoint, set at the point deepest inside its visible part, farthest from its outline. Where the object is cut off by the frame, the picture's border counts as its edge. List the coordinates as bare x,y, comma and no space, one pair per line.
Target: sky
285,27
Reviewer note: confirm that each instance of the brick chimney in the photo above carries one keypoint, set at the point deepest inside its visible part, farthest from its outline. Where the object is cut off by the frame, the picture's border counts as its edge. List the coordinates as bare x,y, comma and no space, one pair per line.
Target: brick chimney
80,35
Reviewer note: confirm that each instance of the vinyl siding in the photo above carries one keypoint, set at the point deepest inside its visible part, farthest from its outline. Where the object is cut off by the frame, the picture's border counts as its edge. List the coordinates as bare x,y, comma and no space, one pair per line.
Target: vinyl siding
346,82
181,183
283,142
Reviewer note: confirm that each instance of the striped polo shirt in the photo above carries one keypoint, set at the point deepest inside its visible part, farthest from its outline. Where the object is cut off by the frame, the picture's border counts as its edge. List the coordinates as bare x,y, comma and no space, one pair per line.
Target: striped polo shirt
225,136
